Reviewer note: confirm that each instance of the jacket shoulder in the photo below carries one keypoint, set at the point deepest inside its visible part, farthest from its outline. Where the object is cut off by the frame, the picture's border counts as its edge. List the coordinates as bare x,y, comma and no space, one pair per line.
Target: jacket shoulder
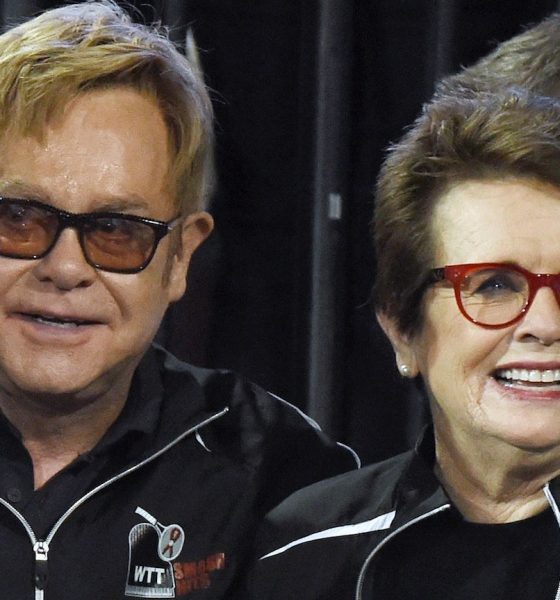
348,499
281,445
313,544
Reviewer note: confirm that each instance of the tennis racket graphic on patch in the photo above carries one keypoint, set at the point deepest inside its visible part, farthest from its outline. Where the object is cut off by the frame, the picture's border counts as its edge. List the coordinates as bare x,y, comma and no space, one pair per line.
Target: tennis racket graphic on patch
171,537
152,547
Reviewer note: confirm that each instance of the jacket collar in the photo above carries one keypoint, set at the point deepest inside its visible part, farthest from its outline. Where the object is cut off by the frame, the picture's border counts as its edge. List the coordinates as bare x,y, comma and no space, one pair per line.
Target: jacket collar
186,399
419,490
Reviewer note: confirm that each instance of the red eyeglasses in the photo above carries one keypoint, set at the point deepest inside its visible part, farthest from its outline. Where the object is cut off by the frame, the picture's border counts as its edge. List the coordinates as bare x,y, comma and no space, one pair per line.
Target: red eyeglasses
494,295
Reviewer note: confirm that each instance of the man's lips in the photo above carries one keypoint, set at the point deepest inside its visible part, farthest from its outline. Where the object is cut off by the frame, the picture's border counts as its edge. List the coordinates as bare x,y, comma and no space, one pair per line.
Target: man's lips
57,320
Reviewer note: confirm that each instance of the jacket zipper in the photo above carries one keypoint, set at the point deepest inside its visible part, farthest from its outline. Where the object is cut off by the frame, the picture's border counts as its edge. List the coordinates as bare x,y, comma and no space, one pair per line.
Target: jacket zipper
365,566
369,558
41,547
556,512
41,550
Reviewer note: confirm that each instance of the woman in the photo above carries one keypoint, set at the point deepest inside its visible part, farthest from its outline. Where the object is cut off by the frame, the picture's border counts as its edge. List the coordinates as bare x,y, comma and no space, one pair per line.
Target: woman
467,230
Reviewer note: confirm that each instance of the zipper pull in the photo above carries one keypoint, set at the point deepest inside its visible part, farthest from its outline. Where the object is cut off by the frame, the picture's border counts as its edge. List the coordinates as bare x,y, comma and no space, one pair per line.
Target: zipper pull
41,550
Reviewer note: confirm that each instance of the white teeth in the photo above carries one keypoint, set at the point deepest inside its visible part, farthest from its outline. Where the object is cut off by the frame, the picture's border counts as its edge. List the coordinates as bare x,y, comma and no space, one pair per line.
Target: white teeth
54,323
530,375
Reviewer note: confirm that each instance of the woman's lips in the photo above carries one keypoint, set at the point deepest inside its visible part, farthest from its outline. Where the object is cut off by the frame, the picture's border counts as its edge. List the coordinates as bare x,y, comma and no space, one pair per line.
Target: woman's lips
528,376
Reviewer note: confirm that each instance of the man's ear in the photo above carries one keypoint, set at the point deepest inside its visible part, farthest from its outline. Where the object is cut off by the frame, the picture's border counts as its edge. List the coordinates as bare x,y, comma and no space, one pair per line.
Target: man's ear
194,230
405,355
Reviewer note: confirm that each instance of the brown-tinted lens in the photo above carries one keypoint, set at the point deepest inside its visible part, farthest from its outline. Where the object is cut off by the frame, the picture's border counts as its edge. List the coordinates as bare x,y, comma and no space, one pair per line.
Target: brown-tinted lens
494,296
118,243
25,231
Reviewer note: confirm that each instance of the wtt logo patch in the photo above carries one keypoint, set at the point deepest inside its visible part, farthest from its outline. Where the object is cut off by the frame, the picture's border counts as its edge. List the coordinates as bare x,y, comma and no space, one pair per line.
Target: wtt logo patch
151,548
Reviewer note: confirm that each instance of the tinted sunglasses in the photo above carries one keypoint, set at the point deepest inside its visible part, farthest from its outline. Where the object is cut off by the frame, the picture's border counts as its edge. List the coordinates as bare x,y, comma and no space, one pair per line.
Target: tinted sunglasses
114,242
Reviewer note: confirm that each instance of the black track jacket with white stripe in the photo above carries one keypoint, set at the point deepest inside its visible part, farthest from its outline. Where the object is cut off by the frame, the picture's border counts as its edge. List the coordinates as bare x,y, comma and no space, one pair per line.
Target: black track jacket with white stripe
177,521
322,543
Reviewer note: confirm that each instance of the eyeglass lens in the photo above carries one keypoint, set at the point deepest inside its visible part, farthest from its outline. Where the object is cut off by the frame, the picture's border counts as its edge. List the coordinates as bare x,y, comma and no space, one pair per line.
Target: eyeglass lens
117,243
114,243
492,296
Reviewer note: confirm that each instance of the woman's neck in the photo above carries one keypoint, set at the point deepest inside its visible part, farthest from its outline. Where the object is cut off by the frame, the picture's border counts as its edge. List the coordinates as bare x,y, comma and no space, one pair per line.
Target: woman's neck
500,484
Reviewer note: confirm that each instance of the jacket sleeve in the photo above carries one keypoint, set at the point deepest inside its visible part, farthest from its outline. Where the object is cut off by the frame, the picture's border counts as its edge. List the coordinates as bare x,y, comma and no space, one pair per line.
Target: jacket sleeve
284,448
290,450
301,552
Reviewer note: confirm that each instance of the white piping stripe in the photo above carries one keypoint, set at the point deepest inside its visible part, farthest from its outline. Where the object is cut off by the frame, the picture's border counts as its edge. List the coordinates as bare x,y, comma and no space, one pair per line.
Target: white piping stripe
316,426
552,502
556,512
377,524
352,452
201,441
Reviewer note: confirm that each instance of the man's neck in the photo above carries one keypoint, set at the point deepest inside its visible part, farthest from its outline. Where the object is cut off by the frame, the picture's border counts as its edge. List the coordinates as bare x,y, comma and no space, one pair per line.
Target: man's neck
55,436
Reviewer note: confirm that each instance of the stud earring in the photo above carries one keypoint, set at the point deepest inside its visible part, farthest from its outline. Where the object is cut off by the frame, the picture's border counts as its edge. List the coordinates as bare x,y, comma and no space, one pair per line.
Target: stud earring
404,370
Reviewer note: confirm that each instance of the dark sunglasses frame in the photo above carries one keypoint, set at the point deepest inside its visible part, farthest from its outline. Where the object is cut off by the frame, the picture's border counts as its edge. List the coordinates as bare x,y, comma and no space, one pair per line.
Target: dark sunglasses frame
456,274
80,222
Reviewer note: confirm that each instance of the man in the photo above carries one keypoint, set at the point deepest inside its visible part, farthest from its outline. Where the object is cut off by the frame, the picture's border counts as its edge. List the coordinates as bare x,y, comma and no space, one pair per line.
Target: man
124,473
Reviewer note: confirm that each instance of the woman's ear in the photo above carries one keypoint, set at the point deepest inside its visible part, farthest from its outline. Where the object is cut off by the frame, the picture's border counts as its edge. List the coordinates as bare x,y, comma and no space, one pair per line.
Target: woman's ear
405,355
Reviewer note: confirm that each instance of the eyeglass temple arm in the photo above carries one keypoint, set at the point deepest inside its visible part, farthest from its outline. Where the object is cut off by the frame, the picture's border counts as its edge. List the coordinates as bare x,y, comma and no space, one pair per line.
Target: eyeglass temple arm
436,275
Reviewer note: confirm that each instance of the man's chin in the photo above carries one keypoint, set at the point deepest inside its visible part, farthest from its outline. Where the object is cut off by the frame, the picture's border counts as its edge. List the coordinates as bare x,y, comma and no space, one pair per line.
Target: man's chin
58,393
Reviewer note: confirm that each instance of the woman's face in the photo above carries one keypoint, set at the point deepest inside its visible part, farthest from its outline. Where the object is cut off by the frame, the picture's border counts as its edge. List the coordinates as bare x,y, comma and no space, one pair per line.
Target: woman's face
515,221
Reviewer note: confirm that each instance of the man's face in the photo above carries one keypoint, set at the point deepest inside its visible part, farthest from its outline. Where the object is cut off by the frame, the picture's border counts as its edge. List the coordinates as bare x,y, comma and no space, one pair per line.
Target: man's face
66,327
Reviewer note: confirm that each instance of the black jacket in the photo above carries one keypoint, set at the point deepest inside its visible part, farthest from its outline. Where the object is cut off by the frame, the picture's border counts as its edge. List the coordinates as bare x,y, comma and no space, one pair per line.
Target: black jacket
178,520
322,543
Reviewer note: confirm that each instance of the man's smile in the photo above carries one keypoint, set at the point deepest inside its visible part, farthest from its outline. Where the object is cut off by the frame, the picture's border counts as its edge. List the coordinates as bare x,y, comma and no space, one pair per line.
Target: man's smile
56,321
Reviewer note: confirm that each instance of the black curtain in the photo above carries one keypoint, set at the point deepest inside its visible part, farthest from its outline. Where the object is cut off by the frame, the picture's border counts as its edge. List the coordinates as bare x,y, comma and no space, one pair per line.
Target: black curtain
307,96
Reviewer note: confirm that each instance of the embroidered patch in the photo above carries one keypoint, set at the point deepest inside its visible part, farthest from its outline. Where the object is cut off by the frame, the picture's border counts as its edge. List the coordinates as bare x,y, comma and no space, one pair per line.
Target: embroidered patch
151,548
197,575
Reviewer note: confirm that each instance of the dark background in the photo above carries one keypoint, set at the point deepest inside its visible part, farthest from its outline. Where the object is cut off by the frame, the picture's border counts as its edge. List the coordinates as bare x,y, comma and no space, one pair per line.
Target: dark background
307,94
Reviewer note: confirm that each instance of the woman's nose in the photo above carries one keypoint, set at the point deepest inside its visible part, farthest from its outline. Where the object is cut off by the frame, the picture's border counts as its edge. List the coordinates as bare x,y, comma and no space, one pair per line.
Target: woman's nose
542,319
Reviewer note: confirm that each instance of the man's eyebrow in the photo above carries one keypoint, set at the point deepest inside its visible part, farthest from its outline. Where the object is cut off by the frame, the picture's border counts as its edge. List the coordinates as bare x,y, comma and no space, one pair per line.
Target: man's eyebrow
116,203
18,187
122,203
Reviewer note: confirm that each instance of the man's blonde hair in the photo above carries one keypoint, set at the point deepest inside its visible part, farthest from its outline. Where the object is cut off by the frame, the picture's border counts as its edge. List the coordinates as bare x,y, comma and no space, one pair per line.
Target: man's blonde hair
48,60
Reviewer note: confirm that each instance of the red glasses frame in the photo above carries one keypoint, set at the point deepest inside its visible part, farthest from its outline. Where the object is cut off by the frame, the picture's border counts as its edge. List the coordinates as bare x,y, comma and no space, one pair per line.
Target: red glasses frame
456,274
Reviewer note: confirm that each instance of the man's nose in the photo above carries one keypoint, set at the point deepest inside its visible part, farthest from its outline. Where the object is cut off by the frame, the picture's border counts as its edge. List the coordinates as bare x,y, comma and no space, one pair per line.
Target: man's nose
65,265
